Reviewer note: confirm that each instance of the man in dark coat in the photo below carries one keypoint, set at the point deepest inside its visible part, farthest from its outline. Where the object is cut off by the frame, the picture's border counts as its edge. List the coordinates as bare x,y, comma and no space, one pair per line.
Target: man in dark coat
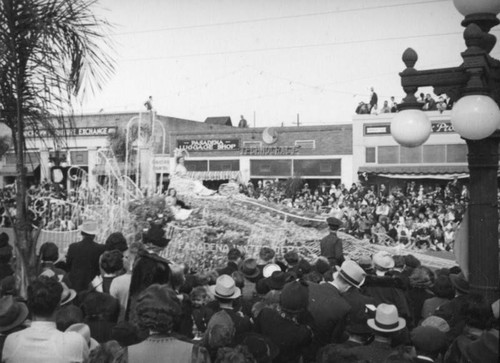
331,245
82,258
233,259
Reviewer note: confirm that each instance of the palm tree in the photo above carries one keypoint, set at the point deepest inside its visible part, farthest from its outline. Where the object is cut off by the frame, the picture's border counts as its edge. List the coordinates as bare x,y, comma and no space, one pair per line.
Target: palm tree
51,51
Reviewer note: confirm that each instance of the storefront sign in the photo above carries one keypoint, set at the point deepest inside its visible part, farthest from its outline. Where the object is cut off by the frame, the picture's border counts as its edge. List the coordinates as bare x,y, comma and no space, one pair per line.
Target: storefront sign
385,129
74,131
161,164
270,150
209,145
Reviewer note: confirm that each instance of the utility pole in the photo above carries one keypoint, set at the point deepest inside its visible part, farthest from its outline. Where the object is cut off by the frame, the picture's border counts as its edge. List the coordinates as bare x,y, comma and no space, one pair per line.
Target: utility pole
298,120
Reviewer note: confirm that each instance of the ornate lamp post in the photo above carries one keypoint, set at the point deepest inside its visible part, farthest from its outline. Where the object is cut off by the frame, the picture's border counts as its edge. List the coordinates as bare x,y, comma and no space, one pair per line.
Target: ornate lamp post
474,86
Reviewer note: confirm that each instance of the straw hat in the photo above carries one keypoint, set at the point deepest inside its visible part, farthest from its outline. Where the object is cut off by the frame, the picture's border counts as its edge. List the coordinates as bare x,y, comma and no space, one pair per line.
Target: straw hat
268,269
225,288
89,227
352,273
67,294
84,331
386,319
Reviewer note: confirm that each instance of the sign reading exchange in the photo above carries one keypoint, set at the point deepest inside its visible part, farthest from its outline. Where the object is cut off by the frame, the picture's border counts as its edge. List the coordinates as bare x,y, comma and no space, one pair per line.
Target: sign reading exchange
74,131
209,145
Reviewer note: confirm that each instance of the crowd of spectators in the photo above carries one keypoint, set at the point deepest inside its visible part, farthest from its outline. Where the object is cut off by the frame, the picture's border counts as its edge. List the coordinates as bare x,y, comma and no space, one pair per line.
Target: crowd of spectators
415,216
121,302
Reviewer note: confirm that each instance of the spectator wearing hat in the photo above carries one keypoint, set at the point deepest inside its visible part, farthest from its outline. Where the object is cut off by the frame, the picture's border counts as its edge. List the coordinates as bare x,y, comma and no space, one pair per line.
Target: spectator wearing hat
477,318
484,349
234,257
452,311
82,258
385,288
282,325
5,256
12,316
266,256
251,274
328,307
385,325
331,245
429,343
158,311
47,257
421,281
443,293
42,342
219,333
226,293
291,260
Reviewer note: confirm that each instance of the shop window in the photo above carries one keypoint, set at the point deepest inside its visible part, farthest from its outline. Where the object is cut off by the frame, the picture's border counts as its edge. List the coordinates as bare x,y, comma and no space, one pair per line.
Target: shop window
196,165
79,157
316,167
370,154
434,154
224,165
410,155
306,144
265,168
274,168
388,154
456,153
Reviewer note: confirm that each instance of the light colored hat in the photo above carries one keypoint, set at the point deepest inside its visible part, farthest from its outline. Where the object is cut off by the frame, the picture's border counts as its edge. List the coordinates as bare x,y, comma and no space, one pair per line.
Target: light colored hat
268,269
89,227
84,331
351,272
225,288
67,294
436,322
383,260
386,319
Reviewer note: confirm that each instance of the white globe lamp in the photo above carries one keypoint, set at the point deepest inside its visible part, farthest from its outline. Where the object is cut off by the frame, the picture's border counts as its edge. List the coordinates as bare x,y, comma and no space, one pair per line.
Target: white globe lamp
475,117
470,7
411,128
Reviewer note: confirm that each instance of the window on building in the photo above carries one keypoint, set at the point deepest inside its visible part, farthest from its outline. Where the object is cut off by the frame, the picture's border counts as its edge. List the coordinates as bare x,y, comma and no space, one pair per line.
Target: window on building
456,153
410,155
306,144
388,154
79,157
316,167
274,168
224,165
434,154
370,154
196,165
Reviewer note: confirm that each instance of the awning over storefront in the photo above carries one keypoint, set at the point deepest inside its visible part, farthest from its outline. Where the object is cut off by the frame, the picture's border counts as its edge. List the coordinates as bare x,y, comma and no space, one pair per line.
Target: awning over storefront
444,172
10,169
213,175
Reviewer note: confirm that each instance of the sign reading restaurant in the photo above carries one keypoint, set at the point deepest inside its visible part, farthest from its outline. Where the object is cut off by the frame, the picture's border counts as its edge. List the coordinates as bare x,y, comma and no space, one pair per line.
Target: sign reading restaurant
209,145
385,129
73,131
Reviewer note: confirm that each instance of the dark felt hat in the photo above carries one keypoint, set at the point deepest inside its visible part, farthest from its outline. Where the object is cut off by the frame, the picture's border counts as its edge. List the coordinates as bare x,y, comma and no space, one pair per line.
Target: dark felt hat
12,313
249,268
333,222
485,349
460,283
261,347
277,280
428,339
294,297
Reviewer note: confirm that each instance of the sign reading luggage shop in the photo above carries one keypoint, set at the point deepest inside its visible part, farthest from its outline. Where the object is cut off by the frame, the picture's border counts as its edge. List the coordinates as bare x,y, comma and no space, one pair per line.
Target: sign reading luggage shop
209,145
74,131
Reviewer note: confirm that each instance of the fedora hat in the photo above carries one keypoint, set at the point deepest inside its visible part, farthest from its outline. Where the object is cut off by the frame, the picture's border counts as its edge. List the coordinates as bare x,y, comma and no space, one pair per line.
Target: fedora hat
460,283
383,260
67,294
352,273
89,227
277,280
428,339
386,319
12,313
84,331
269,269
294,297
249,268
225,288
484,349
333,222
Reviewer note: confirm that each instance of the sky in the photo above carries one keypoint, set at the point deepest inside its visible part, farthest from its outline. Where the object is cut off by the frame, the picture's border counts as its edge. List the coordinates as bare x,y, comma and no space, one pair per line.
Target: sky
272,61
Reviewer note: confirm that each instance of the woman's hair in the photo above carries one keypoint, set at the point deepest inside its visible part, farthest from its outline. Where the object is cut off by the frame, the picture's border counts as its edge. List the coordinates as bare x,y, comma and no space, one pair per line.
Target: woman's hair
107,352
111,261
44,295
49,252
443,287
170,189
158,309
68,315
238,354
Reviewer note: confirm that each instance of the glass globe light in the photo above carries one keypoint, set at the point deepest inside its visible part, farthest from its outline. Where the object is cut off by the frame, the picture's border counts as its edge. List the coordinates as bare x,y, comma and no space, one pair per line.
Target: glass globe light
469,7
411,128
475,117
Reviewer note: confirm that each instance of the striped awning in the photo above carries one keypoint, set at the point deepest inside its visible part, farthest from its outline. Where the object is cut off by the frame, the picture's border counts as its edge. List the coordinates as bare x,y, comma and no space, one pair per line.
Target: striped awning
418,171
213,175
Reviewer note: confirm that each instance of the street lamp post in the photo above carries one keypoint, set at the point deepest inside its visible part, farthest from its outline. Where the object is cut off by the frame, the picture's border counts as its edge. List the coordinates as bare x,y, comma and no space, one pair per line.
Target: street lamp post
474,86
